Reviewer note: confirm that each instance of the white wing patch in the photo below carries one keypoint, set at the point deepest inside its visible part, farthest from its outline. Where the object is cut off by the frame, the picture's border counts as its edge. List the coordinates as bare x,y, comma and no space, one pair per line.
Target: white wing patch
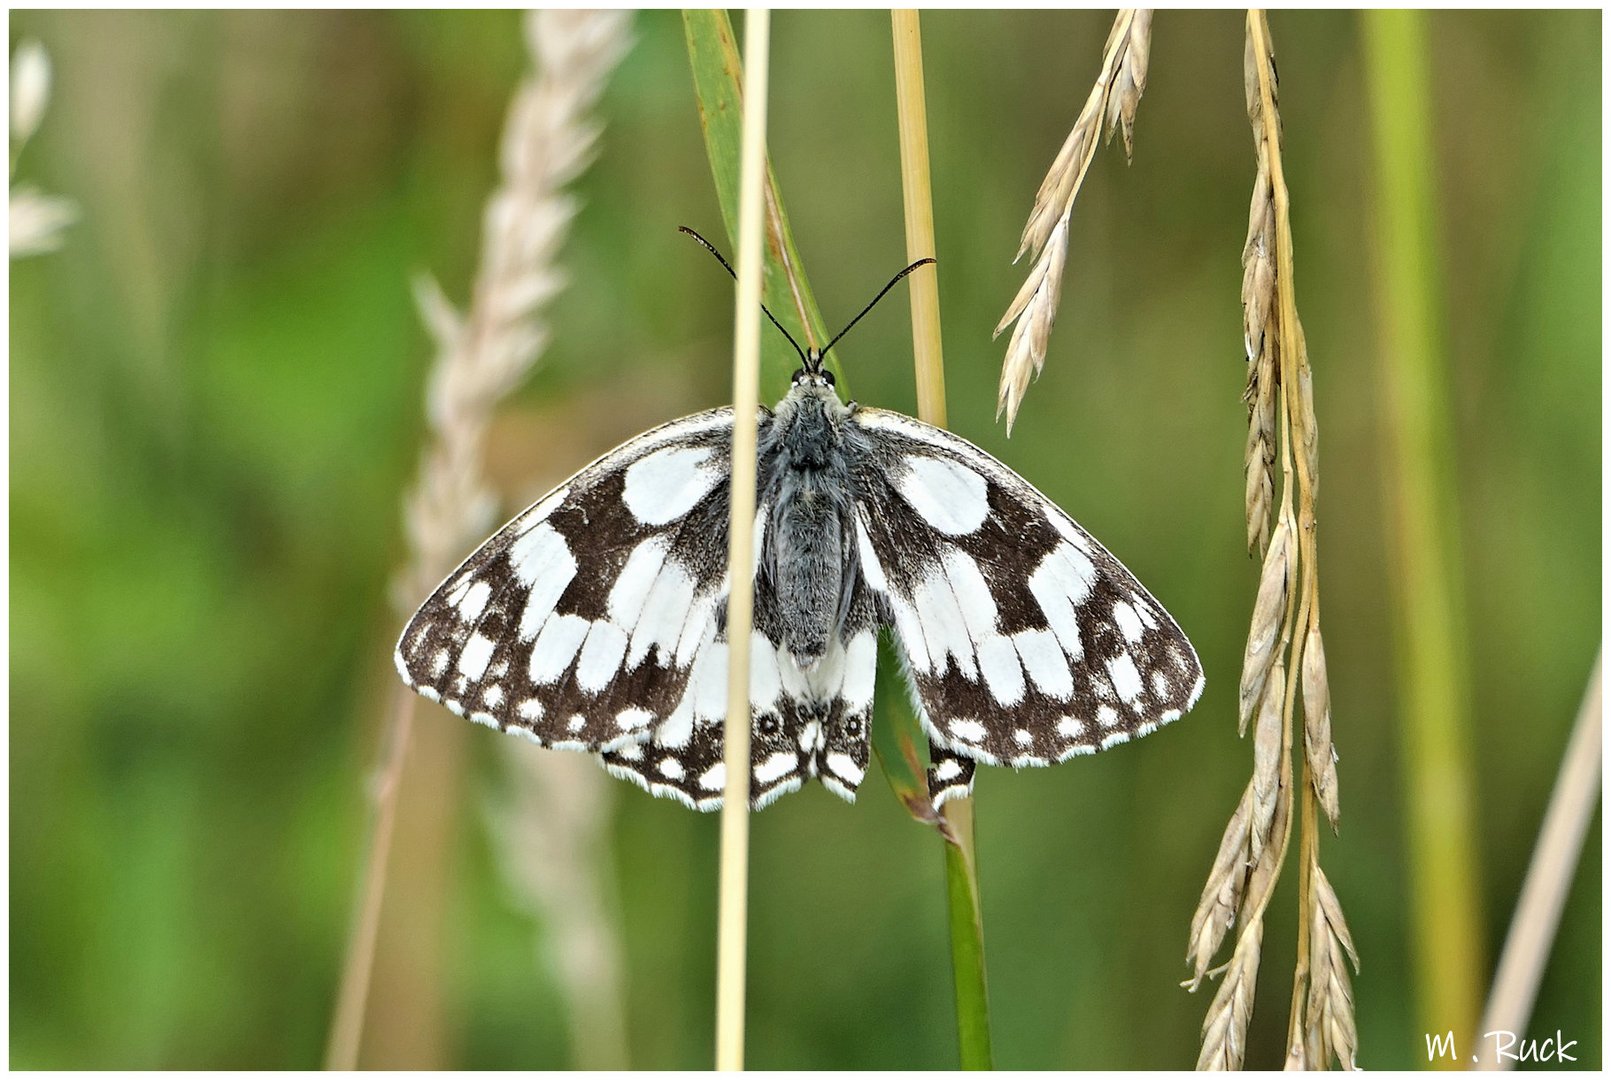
664,485
1126,679
945,628
949,496
1003,674
601,656
555,648
631,589
663,615
542,555
1128,622
1046,663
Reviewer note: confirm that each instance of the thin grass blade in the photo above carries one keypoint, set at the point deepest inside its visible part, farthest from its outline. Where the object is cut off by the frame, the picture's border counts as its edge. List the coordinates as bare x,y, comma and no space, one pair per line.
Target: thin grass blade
718,74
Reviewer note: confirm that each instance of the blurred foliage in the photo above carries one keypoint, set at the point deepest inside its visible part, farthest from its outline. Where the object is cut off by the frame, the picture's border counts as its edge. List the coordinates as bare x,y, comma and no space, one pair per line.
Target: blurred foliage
216,399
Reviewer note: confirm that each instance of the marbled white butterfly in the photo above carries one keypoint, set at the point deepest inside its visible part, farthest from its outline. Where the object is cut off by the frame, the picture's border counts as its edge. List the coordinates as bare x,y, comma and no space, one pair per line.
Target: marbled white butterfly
595,620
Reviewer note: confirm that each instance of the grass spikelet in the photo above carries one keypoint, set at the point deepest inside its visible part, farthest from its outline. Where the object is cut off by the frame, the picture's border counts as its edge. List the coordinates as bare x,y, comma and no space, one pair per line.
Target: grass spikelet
1260,452
481,355
549,138
1130,80
1319,753
1268,623
37,219
1329,1017
1229,1014
1267,754
1222,895
1225,1027
30,92
1111,104
1284,665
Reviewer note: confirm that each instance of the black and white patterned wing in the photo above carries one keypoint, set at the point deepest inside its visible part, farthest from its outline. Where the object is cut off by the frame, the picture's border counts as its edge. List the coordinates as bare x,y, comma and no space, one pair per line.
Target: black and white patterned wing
804,723
1026,642
578,623
595,621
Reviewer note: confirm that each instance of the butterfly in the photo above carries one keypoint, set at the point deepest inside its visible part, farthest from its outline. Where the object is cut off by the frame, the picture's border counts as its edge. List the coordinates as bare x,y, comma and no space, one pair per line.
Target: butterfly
596,619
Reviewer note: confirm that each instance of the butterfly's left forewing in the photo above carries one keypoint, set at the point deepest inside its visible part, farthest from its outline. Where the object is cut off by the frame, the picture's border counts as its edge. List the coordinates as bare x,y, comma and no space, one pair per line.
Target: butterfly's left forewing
579,622
1025,641
595,621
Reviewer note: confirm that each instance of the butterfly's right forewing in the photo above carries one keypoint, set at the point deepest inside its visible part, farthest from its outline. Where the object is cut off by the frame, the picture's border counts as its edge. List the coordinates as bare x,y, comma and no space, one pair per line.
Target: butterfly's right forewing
1025,640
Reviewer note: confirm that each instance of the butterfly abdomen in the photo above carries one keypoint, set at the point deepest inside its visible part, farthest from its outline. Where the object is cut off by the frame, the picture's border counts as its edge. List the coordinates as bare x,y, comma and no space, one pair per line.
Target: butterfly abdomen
807,554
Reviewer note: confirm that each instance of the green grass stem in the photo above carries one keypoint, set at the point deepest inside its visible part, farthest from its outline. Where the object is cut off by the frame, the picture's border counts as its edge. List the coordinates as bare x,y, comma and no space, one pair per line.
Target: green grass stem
1423,532
961,865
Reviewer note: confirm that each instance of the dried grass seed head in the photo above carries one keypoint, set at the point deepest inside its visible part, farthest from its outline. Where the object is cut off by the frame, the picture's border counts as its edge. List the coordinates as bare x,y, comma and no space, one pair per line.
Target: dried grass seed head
1112,101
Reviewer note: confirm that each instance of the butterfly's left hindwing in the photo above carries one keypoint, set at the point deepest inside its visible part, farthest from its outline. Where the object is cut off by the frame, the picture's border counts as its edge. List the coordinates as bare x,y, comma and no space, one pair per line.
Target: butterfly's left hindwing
1025,641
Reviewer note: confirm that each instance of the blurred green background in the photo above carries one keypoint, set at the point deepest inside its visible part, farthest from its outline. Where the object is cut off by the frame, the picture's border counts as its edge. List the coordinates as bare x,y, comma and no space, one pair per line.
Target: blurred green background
216,403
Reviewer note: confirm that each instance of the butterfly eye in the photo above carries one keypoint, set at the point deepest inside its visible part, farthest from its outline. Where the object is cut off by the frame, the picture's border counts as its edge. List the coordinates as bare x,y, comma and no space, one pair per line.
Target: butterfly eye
827,377
799,374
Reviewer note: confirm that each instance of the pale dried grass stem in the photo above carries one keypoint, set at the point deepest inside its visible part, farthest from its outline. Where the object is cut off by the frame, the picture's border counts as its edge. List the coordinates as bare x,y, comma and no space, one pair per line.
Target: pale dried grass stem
732,943
1555,860
1110,106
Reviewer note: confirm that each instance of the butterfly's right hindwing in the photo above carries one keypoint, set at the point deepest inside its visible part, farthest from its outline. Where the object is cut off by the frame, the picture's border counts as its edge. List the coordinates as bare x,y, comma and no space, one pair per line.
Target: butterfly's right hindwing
579,622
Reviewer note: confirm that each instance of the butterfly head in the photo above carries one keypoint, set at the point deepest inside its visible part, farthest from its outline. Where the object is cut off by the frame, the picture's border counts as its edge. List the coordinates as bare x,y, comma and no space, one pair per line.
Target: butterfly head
813,373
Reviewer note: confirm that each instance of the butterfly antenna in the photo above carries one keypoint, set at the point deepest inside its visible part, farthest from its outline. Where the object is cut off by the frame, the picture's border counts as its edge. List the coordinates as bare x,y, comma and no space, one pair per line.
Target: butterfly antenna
876,299
712,249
